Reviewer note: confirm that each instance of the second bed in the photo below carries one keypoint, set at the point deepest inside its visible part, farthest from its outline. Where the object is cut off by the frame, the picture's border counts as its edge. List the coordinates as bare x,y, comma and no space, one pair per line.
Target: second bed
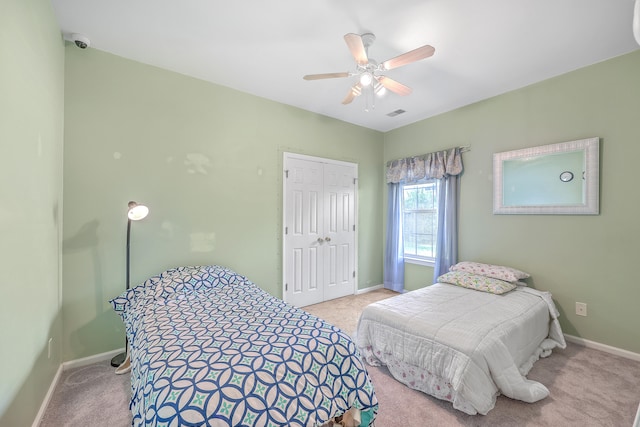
463,345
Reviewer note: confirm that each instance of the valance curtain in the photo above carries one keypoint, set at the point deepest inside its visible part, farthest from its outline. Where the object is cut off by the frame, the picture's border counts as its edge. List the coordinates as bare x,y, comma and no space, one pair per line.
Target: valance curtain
427,166
445,166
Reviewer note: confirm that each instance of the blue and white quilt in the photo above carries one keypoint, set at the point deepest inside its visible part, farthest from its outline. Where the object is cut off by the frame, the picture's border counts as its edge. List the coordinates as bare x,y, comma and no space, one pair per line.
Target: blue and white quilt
210,348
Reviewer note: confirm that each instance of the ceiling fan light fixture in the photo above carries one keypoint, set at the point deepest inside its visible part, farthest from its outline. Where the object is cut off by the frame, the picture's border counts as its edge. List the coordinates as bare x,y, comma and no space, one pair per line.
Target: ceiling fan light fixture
368,71
366,78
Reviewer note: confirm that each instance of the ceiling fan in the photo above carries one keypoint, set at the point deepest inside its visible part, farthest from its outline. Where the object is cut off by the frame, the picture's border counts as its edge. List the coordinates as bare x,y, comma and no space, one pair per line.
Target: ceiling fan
369,72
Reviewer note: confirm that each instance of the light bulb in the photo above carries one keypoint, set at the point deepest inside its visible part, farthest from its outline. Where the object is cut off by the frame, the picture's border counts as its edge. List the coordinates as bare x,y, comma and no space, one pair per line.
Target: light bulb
366,79
379,89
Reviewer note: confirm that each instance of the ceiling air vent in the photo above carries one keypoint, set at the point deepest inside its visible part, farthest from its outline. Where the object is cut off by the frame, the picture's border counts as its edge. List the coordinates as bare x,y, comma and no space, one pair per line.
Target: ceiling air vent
395,113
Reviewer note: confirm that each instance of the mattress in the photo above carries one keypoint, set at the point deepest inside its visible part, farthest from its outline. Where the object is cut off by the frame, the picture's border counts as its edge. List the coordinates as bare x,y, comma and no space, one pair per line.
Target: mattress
463,345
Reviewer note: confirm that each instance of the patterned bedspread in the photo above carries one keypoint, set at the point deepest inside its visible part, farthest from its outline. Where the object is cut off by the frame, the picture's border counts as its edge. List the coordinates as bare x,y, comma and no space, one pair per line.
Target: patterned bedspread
209,347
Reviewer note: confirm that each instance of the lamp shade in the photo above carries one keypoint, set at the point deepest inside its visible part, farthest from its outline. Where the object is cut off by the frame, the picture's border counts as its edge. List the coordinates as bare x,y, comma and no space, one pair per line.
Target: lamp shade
137,212
378,89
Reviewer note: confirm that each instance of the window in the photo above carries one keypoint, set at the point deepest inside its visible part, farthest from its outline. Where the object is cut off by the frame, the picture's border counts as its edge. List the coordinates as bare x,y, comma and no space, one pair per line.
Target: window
420,221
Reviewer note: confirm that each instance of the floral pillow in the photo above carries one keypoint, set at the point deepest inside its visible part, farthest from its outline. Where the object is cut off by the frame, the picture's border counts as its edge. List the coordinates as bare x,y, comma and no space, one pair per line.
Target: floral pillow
500,272
477,282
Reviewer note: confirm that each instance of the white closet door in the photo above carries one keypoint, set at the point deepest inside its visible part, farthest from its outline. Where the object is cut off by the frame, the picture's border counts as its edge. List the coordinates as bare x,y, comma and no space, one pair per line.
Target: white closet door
303,233
319,230
339,231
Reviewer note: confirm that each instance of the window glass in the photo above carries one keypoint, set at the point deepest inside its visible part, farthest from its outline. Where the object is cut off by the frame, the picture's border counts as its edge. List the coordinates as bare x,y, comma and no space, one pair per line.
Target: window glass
420,220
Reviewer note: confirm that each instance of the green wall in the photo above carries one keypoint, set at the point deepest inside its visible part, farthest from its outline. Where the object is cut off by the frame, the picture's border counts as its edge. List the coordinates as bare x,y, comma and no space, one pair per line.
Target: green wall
31,139
207,160
590,259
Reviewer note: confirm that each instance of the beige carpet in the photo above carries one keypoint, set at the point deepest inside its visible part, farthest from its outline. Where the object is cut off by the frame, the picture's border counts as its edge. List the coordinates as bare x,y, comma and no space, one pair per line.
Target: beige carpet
588,388
345,312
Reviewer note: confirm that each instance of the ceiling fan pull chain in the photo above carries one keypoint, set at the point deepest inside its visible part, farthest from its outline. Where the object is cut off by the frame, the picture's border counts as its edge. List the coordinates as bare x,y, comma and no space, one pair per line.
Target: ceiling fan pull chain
372,95
367,98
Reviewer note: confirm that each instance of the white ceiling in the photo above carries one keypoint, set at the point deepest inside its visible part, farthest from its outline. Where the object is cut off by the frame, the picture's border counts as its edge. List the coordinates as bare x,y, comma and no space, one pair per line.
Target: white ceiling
483,48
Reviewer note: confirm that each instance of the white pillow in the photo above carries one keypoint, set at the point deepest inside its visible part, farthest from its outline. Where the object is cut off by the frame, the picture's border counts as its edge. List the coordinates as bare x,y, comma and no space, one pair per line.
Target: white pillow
500,272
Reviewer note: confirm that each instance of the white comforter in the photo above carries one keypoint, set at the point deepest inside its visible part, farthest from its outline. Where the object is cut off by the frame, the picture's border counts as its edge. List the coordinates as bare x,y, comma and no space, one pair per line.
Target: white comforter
478,344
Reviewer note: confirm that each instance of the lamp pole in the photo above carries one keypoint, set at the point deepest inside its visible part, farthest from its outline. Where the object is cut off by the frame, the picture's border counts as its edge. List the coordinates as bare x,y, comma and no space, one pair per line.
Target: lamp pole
128,282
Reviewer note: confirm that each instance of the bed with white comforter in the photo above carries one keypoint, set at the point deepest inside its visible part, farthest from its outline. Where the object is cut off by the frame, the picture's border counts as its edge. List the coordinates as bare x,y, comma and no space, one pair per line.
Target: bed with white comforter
462,345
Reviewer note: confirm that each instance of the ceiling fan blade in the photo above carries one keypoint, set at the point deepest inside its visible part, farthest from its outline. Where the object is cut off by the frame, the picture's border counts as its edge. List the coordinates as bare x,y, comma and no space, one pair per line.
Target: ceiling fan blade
409,57
356,46
394,86
325,76
354,91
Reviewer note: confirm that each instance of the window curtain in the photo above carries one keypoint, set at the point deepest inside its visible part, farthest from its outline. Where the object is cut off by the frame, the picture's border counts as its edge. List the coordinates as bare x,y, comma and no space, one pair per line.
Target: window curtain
447,239
445,166
394,251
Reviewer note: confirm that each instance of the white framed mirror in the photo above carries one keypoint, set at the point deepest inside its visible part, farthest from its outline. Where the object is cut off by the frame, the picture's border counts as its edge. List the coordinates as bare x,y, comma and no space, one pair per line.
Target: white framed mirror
555,179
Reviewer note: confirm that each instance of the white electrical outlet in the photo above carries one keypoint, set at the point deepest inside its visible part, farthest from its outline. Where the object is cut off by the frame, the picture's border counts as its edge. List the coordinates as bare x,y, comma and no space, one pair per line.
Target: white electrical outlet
581,309
49,348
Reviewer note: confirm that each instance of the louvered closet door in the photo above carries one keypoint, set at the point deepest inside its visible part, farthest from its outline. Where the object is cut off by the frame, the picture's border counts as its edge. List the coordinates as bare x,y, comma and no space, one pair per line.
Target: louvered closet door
319,231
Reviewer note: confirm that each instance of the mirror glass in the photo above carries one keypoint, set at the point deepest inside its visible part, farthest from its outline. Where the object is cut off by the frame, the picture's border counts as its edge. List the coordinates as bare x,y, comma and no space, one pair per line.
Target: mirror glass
550,179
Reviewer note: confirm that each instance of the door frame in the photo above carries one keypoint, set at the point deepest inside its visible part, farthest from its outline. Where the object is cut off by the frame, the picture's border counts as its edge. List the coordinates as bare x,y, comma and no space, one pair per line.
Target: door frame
286,155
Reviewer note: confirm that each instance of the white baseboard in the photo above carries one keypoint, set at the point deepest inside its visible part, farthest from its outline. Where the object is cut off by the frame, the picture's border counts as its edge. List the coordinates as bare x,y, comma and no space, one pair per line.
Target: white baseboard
369,289
47,397
603,347
91,359
77,363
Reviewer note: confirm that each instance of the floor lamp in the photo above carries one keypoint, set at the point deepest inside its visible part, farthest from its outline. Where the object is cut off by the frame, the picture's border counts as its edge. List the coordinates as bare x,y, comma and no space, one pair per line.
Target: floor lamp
136,212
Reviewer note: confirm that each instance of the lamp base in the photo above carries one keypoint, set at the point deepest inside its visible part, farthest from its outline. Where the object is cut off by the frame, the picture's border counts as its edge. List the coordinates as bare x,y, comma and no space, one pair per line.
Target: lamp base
117,360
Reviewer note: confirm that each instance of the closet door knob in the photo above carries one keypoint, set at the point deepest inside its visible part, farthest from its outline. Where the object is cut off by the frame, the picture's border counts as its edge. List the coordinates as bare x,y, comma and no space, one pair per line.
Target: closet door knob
327,239
320,240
